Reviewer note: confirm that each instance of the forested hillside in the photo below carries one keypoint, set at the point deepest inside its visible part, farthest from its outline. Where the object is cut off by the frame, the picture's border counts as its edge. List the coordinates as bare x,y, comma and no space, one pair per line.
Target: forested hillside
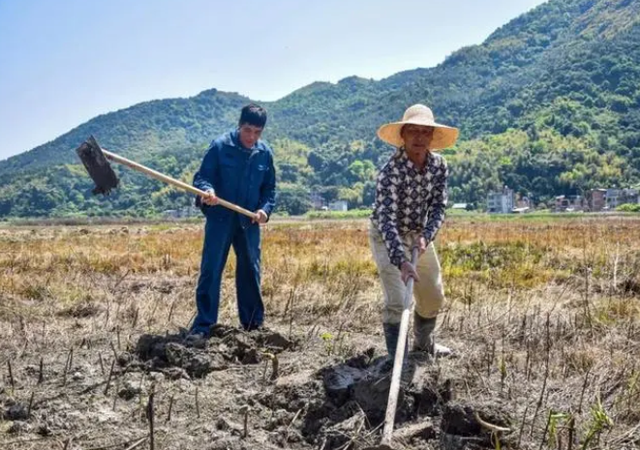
548,105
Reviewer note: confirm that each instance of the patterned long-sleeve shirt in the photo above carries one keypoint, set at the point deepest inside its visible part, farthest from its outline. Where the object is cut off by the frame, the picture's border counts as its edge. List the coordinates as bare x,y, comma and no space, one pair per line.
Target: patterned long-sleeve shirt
409,200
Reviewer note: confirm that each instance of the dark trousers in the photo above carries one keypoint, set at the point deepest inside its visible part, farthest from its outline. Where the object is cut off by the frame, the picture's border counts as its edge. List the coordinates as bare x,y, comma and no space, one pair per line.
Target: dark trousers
219,236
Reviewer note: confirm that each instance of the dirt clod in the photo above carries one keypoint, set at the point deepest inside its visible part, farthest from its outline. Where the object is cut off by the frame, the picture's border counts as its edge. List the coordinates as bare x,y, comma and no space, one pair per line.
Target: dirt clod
129,391
16,411
224,424
459,421
19,426
199,357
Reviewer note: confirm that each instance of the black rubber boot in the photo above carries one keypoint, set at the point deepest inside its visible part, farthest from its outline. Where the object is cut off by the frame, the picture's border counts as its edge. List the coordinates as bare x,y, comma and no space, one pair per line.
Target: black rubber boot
391,336
423,333
423,337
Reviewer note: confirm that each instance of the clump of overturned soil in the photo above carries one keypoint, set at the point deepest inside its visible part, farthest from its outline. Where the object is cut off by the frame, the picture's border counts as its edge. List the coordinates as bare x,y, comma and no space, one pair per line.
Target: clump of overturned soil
179,356
342,406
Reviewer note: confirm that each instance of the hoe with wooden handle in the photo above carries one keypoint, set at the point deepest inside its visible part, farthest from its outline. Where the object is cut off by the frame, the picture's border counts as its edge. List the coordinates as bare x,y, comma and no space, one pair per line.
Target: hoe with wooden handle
392,403
95,161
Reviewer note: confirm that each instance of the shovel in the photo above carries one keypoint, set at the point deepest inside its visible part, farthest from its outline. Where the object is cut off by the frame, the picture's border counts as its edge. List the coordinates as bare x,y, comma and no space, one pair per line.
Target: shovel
95,161
387,431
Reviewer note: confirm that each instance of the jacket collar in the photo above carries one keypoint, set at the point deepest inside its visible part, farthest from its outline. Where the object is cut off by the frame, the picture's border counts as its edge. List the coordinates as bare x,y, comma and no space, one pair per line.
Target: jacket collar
232,139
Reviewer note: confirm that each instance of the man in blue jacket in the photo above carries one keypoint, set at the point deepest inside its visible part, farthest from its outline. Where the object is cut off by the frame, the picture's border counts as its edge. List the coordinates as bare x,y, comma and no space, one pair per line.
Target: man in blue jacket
237,167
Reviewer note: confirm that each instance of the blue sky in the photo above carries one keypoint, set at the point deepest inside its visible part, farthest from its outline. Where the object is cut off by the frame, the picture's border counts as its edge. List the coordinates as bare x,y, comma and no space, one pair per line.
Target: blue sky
63,62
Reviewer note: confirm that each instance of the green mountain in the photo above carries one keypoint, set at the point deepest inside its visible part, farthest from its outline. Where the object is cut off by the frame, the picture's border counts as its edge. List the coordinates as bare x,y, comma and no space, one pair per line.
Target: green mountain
547,105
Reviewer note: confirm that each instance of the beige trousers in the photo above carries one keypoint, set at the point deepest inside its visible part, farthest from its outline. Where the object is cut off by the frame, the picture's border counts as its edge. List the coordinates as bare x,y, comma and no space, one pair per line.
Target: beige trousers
428,292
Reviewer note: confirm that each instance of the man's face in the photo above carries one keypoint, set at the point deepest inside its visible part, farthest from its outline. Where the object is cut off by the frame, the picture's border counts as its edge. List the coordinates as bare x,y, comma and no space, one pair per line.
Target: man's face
249,135
417,138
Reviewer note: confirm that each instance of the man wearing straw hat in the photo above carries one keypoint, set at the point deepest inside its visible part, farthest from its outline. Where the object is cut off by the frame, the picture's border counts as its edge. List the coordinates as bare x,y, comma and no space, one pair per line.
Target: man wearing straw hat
409,210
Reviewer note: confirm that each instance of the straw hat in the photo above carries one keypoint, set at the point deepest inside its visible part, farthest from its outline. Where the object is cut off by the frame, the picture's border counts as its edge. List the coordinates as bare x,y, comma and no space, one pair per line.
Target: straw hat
443,135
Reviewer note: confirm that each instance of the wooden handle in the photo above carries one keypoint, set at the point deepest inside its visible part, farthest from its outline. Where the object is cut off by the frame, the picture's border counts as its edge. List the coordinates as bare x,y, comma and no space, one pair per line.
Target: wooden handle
174,182
392,402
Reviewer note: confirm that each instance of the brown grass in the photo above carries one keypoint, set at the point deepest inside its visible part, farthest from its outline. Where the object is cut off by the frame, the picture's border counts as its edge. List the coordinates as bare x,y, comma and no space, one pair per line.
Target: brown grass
543,315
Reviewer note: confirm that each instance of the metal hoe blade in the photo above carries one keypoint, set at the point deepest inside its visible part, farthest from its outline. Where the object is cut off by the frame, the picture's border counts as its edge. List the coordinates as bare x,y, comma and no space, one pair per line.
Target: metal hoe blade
97,166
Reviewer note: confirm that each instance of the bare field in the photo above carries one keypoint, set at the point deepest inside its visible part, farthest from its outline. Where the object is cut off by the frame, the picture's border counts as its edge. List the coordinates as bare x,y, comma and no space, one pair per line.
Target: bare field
543,317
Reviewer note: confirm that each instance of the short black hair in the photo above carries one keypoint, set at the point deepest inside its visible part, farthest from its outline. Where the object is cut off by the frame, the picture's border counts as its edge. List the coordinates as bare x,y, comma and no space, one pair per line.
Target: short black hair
253,114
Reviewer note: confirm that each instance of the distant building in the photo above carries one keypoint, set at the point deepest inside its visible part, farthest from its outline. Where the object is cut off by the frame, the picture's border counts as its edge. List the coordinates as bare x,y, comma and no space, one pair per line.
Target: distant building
500,202
171,213
611,197
616,197
460,206
189,211
628,195
339,205
569,203
596,199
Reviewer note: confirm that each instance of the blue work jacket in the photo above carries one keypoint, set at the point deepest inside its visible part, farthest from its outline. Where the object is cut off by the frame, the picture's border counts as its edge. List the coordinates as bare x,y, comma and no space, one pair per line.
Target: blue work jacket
245,177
